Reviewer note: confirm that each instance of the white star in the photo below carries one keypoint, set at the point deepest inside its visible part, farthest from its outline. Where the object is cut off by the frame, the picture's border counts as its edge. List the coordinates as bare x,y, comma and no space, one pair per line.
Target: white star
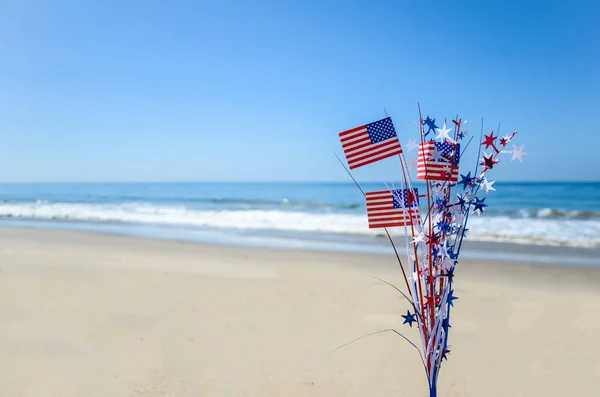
411,145
443,250
436,156
418,239
518,153
487,185
443,133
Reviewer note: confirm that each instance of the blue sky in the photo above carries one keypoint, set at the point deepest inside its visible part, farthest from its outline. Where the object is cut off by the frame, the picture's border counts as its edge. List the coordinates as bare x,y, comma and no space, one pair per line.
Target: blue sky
258,90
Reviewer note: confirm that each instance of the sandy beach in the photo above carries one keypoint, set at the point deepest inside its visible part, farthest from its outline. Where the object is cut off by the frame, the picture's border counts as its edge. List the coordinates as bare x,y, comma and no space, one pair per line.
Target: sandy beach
100,315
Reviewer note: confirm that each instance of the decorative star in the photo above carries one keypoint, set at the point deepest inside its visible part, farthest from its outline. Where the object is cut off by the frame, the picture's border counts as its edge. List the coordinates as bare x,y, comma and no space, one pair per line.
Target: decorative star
445,355
466,180
488,161
505,139
409,318
461,201
487,185
479,205
443,250
433,239
418,239
411,145
436,156
490,140
430,124
518,153
451,298
443,134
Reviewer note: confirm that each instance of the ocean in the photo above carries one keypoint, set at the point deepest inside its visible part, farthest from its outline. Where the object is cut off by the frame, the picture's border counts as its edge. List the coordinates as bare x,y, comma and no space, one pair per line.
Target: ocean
330,216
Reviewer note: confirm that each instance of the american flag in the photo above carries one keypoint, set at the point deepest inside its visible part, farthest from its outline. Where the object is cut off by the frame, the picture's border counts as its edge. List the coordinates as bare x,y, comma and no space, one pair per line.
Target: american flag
389,208
370,143
437,160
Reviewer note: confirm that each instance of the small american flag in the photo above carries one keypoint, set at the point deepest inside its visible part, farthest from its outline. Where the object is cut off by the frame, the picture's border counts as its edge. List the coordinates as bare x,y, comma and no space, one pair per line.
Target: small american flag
370,143
389,208
438,161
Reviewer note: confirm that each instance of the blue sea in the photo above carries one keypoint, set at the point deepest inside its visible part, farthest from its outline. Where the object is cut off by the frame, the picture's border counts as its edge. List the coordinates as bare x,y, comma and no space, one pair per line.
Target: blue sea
295,215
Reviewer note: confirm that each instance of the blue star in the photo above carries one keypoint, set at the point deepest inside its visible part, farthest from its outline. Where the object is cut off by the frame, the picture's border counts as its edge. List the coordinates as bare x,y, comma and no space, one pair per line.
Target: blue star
409,318
445,227
466,180
451,298
461,202
446,324
430,124
445,355
450,274
479,204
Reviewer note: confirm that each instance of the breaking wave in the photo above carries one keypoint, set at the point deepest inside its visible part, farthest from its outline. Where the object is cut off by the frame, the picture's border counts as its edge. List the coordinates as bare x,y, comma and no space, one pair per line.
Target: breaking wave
544,226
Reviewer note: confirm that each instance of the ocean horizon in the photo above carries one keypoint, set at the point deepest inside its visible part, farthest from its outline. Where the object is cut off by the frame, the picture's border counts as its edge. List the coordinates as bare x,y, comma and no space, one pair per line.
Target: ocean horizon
304,215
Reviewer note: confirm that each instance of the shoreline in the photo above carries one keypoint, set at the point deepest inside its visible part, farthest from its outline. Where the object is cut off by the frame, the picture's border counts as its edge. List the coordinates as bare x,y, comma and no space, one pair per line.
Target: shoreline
472,250
526,272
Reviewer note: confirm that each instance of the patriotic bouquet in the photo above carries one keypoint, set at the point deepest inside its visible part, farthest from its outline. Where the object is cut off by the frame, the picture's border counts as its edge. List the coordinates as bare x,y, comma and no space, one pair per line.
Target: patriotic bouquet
434,220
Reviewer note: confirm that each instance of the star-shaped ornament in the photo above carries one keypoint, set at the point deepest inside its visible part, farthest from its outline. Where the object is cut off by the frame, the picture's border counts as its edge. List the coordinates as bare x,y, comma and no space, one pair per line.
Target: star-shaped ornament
488,161
443,134
419,238
505,139
518,153
436,156
479,206
411,145
466,180
430,124
487,185
451,298
490,140
409,318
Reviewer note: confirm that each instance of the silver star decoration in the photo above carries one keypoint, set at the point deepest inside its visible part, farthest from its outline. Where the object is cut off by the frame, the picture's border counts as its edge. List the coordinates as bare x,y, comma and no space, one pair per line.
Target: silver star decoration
411,145
443,134
518,153
487,185
419,238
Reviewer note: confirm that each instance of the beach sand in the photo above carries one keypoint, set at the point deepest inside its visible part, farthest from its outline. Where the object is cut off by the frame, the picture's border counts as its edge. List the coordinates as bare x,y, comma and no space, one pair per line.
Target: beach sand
97,315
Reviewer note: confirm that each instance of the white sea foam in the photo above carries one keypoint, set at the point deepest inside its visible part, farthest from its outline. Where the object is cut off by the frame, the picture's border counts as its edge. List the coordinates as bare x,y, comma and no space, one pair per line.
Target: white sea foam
568,232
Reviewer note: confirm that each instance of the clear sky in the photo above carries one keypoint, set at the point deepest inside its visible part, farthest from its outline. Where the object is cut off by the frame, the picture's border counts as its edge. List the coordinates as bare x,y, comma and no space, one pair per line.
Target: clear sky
258,90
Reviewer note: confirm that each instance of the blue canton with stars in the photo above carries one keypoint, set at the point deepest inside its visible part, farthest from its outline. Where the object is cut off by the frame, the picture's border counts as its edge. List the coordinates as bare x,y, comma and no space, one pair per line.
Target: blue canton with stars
400,198
381,130
445,148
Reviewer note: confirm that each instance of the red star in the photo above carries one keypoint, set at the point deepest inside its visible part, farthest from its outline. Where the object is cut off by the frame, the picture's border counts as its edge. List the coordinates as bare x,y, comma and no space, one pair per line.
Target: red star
433,239
490,140
430,279
503,141
488,162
